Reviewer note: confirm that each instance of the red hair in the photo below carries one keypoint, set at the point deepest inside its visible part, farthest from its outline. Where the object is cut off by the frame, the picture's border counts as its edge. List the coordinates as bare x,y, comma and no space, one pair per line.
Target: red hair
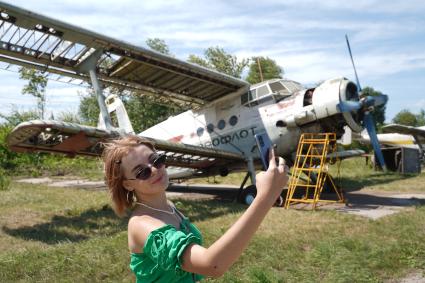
113,152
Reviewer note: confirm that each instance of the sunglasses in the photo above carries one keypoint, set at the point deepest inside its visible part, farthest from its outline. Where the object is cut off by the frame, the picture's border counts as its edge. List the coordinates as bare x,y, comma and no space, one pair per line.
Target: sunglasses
144,172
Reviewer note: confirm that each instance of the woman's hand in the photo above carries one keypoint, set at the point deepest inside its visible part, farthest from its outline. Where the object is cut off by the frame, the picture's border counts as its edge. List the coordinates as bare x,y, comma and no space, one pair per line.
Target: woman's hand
271,182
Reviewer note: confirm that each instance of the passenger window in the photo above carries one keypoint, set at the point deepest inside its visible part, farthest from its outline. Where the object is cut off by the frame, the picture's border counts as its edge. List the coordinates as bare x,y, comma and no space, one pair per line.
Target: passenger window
221,124
210,128
233,120
200,131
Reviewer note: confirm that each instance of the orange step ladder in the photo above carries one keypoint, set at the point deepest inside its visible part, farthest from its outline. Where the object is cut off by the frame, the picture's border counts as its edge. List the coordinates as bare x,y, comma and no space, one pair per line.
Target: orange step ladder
311,159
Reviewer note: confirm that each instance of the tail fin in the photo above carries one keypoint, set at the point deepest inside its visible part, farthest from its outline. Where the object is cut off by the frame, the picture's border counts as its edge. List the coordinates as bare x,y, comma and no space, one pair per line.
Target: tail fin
115,105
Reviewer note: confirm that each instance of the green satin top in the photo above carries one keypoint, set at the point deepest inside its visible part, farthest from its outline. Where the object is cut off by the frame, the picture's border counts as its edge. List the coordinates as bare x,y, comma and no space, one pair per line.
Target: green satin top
160,260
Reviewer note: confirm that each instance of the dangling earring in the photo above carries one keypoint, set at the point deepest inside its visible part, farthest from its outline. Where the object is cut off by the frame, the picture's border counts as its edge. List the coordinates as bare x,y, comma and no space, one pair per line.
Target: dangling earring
132,196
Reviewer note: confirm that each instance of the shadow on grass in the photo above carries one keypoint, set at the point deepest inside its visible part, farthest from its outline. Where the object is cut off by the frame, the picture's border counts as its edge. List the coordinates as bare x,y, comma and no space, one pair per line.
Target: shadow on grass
368,201
72,228
222,201
200,210
354,184
103,222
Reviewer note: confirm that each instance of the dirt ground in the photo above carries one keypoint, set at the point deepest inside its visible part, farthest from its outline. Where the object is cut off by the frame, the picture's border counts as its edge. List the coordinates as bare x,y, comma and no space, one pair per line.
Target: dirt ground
371,204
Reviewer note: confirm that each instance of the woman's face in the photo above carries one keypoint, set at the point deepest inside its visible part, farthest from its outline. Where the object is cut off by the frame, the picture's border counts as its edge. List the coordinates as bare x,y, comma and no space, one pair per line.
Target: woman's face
137,159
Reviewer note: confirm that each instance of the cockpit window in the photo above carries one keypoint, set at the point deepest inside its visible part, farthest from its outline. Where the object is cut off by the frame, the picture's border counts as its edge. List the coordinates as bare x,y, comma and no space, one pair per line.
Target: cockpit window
292,86
262,90
276,86
270,90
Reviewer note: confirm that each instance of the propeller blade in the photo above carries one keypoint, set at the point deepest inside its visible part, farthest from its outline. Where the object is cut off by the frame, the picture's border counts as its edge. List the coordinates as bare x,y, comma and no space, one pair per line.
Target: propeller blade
380,99
374,100
359,88
349,106
370,126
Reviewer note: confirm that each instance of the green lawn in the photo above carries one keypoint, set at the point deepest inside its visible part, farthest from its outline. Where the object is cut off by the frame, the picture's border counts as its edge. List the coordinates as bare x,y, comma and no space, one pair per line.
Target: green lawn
71,235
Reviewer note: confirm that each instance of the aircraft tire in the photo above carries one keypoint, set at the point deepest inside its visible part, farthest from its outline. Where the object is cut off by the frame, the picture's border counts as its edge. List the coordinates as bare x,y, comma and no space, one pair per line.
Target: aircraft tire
248,195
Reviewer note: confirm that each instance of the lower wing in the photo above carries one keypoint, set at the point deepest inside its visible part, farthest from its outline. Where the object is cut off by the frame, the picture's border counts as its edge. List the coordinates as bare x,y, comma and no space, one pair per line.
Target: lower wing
72,139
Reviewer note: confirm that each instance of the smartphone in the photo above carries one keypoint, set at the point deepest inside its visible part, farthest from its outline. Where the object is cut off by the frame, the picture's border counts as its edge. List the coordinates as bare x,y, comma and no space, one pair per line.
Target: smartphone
264,144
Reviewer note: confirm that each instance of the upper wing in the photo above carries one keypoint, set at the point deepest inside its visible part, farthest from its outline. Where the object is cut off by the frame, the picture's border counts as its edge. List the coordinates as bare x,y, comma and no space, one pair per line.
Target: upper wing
32,40
405,130
75,139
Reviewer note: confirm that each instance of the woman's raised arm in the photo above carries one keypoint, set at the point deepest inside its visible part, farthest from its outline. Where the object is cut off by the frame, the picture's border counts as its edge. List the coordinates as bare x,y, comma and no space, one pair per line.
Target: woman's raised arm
218,258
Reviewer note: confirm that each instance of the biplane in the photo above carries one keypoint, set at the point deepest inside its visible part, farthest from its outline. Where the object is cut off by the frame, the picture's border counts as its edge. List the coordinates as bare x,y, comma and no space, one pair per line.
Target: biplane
215,136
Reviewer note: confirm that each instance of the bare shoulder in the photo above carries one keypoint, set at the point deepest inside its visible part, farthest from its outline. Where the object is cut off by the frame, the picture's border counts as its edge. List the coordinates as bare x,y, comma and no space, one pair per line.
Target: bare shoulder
140,226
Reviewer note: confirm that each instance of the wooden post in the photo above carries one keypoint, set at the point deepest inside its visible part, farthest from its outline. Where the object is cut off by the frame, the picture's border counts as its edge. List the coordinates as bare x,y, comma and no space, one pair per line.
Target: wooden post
259,68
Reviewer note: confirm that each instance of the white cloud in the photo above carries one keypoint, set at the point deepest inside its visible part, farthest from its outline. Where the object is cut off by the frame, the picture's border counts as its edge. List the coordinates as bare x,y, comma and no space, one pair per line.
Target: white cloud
365,6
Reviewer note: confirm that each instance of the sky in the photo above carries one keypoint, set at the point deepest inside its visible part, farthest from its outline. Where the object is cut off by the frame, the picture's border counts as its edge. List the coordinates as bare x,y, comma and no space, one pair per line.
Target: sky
305,37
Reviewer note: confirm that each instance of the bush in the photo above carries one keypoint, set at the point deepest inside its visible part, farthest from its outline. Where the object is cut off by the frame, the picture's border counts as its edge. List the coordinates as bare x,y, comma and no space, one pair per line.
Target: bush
38,163
4,180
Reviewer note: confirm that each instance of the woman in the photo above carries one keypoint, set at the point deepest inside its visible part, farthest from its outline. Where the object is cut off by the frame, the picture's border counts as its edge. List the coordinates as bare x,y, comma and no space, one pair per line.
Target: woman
164,245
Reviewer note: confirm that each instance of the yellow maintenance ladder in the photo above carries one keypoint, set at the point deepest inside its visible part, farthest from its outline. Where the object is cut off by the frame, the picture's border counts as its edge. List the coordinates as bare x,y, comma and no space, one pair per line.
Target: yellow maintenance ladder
311,159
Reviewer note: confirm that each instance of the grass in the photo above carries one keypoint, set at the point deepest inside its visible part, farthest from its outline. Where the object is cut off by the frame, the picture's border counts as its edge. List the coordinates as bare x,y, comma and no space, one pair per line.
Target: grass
71,235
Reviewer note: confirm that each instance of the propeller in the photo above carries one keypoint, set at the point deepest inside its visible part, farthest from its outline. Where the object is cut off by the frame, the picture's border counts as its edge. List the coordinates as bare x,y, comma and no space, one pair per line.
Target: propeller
366,105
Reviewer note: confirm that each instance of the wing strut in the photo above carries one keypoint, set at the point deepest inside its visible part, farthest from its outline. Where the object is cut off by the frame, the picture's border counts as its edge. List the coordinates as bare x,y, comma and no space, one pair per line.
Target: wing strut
106,119
89,66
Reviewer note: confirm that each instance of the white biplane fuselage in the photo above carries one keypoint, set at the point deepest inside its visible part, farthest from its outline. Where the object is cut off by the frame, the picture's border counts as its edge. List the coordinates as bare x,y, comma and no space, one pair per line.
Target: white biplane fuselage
281,108
232,123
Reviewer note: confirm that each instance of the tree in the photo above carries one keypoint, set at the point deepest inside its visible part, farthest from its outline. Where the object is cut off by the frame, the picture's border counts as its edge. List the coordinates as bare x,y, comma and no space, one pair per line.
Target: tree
89,109
158,45
36,87
421,118
379,112
269,70
16,117
144,112
405,117
199,61
218,59
69,117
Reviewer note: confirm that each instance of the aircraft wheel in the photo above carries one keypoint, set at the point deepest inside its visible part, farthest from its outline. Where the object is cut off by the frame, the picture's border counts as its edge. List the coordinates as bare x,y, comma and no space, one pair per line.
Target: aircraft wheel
248,195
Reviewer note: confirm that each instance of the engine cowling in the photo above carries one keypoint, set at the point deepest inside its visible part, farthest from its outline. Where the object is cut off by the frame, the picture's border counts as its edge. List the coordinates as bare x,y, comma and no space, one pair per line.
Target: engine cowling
328,96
